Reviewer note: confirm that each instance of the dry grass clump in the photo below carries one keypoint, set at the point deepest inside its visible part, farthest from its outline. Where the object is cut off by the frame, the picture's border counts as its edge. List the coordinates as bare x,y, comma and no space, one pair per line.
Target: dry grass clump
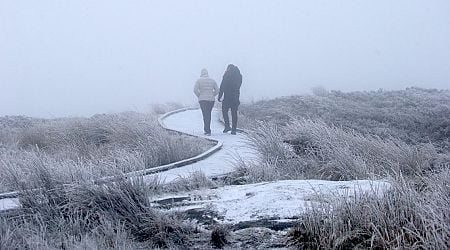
193,181
408,217
219,235
81,149
112,216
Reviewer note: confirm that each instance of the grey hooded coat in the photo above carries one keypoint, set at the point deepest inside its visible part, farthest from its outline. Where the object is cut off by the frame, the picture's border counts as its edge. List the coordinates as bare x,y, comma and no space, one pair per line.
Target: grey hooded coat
205,88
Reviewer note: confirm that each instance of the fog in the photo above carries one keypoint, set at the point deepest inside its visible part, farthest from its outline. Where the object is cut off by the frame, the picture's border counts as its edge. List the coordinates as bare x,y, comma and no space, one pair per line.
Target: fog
78,58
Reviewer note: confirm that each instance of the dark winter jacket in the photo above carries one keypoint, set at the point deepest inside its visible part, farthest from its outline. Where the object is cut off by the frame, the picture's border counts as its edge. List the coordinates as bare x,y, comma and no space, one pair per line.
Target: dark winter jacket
230,86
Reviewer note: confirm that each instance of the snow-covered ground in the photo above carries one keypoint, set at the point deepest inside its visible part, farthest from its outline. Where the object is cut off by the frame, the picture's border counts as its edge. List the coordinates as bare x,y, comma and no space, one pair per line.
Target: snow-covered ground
269,200
9,203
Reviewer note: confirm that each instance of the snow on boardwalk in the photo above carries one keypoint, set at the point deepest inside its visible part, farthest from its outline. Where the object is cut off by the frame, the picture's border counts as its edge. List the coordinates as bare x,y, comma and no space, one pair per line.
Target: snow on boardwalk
191,122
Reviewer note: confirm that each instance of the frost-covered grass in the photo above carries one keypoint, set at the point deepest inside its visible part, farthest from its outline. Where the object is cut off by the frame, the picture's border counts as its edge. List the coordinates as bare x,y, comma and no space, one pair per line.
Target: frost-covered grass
411,215
413,115
343,136
68,211
86,216
311,149
162,108
399,135
82,149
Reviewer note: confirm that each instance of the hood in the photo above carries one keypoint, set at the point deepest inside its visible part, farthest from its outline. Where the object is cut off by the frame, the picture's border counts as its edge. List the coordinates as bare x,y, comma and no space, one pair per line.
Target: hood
204,73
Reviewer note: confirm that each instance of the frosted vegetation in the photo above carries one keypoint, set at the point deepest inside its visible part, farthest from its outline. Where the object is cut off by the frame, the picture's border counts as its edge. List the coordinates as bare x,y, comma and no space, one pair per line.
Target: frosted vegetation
85,149
413,115
111,216
402,136
398,136
63,156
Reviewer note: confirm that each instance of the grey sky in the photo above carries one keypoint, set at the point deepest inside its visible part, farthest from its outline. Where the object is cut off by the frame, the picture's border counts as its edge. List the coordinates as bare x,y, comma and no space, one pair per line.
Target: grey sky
73,57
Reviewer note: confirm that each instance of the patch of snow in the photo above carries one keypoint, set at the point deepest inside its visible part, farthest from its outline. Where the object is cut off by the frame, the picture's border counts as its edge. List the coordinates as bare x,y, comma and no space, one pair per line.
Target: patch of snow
281,199
9,203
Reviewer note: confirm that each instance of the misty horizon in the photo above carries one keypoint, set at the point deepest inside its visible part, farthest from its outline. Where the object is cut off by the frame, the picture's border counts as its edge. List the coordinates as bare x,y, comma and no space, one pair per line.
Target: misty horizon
79,58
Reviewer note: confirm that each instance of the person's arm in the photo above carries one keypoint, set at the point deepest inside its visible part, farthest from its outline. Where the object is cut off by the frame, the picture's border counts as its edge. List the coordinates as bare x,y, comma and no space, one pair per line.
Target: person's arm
215,88
240,81
197,89
222,86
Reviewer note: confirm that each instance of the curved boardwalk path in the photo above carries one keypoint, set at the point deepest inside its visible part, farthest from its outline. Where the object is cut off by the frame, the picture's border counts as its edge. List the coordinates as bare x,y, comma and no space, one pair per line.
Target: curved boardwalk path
219,163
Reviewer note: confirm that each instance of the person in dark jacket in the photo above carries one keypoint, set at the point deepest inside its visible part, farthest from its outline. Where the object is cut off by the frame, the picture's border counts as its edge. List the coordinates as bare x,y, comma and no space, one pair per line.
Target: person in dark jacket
230,90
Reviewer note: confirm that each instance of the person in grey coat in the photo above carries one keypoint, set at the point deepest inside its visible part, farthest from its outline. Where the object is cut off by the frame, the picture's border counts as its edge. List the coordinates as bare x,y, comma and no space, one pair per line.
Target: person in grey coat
206,90
230,90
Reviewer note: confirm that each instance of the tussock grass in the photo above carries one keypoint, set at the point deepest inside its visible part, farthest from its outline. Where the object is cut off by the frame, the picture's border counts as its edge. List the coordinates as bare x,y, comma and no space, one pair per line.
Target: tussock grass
111,216
219,235
193,181
314,150
343,154
82,149
404,217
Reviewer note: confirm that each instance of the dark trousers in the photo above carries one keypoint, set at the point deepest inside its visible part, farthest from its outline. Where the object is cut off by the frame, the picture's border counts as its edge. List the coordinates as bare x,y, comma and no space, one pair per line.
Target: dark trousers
206,107
234,115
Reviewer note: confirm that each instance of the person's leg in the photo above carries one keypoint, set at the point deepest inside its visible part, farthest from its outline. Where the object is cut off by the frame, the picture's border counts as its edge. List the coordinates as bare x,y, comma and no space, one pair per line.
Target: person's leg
234,118
209,106
203,107
226,119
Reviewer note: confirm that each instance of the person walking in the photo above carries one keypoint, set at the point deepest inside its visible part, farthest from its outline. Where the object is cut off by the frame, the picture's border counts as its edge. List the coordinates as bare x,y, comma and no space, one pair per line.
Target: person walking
206,90
230,90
